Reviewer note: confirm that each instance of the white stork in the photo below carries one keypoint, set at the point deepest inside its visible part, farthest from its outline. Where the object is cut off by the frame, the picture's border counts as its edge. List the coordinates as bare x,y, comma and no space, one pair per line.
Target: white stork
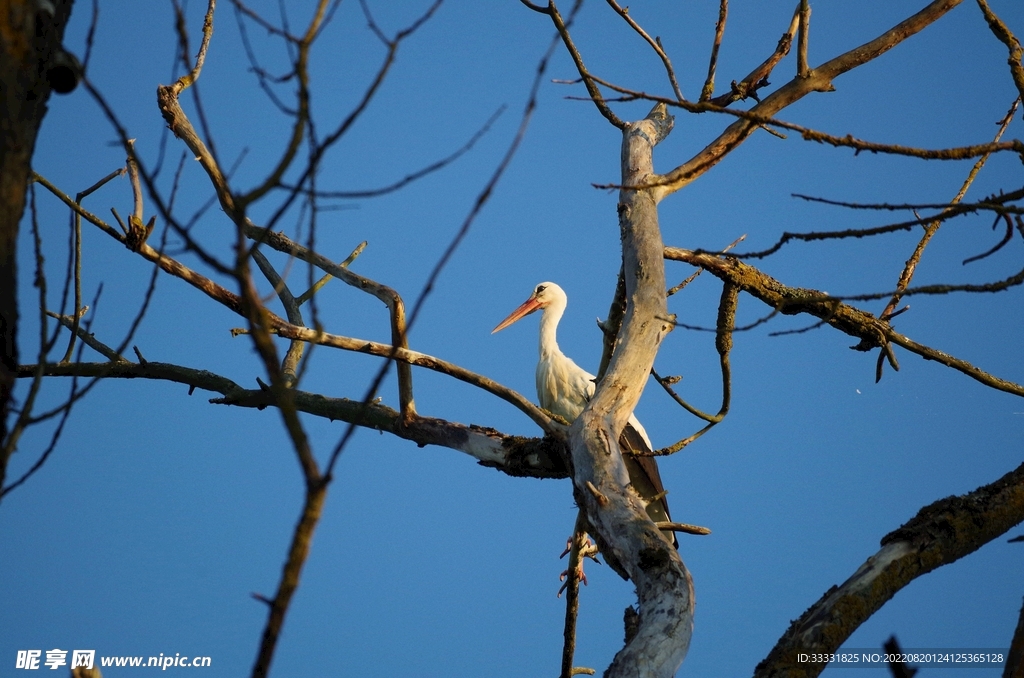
564,388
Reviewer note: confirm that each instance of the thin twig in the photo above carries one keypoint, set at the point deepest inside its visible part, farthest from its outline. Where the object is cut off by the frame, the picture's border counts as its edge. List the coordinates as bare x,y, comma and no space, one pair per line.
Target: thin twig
1006,36
758,78
10,443
571,587
588,80
693,276
820,80
77,313
292,312
655,44
316,286
723,344
709,83
933,227
802,69
478,205
418,174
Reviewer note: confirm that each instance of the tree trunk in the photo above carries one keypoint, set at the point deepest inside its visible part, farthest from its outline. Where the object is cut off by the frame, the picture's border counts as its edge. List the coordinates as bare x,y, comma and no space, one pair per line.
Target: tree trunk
31,32
628,538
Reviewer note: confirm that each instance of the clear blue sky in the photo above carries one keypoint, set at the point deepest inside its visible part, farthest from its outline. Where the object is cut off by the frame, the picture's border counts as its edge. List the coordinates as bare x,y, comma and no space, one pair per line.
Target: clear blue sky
159,513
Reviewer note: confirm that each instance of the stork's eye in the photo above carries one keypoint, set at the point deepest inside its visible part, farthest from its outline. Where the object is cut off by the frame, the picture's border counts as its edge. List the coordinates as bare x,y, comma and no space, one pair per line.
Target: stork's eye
540,288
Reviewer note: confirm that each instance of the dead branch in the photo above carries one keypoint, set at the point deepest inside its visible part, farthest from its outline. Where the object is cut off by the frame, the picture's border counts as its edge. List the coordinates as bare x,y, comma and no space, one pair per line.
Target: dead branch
514,455
629,540
216,292
802,68
1006,36
655,44
709,83
817,80
911,265
938,535
595,94
872,332
723,344
758,78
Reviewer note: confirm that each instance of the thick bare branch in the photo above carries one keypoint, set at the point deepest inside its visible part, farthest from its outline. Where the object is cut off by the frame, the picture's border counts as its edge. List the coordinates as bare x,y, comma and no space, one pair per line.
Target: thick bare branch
872,331
938,535
817,80
513,455
802,37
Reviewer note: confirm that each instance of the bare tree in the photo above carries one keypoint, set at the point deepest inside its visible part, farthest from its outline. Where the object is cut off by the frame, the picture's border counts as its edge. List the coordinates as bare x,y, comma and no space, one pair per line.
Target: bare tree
587,450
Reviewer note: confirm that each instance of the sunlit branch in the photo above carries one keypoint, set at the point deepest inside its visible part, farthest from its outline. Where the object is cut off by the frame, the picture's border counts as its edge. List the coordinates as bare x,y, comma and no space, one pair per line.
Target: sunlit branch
872,331
216,292
327,277
693,276
292,312
1006,36
819,79
390,297
709,83
769,122
938,535
514,455
802,37
758,78
423,360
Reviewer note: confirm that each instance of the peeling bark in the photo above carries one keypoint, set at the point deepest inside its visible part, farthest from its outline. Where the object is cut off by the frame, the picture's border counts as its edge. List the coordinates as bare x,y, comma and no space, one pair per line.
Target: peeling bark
628,538
516,456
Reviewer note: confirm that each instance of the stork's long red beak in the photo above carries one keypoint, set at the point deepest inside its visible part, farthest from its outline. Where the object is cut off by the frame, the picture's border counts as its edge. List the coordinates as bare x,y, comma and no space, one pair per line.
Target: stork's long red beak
528,307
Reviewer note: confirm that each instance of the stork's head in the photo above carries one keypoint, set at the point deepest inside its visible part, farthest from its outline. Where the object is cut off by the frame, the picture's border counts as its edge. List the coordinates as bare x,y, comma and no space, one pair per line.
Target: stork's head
546,294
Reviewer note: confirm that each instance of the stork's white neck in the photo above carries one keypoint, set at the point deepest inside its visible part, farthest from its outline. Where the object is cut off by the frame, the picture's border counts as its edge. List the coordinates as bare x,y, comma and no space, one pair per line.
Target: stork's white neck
549,327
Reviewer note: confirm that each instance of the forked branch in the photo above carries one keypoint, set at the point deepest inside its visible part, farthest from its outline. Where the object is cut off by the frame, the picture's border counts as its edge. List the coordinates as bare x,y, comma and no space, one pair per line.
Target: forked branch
872,332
